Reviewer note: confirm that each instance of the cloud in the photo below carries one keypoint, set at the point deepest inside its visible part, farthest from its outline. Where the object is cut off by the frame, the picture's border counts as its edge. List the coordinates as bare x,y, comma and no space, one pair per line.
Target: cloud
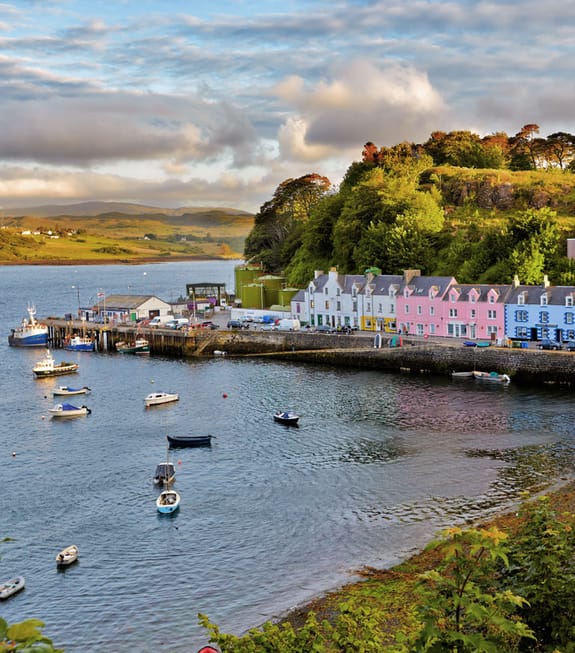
362,102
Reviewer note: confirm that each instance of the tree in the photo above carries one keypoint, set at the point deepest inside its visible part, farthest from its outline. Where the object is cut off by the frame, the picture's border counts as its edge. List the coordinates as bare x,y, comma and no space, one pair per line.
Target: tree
561,149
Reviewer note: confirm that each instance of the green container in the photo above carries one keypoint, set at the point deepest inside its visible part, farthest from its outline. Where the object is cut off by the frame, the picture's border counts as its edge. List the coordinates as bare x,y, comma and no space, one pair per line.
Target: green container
253,296
285,295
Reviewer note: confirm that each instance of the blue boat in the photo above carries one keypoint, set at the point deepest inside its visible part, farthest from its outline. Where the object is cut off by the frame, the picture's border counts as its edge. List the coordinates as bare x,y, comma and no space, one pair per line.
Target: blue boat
30,333
80,343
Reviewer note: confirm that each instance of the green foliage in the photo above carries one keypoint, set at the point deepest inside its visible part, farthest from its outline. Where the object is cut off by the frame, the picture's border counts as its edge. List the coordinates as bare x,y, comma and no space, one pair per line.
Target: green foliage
25,637
356,630
462,608
542,569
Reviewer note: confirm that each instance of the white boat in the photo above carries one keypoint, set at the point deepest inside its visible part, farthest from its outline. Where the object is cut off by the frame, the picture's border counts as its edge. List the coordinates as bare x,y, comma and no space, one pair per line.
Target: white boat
67,556
494,377
30,333
48,367
168,501
157,398
68,410
12,586
65,390
462,375
286,417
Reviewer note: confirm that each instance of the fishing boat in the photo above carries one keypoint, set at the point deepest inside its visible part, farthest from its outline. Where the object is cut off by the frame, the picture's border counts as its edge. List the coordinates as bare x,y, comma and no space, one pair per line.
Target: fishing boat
12,586
30,333
157,398
80,343
68,410
66,390
286,417
138,346
165,473
179,441
48,367
67,556
494,377
168,500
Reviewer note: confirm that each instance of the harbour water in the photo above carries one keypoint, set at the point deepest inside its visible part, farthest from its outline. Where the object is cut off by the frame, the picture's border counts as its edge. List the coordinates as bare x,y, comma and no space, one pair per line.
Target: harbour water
270,515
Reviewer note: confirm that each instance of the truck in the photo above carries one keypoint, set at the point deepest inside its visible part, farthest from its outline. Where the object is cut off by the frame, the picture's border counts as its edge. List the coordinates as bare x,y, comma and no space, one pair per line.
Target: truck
288,324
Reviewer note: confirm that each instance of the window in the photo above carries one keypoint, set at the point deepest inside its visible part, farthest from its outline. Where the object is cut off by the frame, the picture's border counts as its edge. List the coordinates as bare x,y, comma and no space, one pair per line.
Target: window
521,332
338,292
419,329
326,291
312,304
392,308
453,298
354,305
569,300
521,316
327,305
569,318
338,306
544,317
432,329
379,308
491,329
491,315
473,298
419,309
368,307
432,310
406,308
491,299
473,313
521,299
452,312
543,300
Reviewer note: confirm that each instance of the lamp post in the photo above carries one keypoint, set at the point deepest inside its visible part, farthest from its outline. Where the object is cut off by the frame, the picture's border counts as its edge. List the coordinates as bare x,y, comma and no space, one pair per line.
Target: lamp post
77,289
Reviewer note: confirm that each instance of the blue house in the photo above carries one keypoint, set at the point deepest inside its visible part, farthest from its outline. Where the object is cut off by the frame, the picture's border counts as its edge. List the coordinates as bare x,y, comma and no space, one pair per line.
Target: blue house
537,312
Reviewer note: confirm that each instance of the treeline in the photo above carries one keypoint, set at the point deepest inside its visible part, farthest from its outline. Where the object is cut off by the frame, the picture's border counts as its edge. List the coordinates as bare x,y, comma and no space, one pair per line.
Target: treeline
481,209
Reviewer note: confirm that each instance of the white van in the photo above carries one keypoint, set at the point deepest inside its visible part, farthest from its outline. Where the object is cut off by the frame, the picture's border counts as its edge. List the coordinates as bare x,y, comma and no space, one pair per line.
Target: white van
177,323
158,321
288,324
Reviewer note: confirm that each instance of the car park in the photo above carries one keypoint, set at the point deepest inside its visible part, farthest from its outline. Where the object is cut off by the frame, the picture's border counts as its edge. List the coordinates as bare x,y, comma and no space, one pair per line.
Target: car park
547,343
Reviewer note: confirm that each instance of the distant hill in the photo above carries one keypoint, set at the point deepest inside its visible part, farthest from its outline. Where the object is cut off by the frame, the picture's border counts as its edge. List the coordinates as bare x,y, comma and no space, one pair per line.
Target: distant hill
91,209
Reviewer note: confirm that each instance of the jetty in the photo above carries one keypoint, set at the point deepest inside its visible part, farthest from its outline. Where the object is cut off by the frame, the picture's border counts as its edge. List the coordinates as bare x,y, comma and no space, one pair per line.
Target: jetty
363,350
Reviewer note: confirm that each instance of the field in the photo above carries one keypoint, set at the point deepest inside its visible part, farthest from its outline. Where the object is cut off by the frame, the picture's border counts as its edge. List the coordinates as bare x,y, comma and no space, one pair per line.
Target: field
123,238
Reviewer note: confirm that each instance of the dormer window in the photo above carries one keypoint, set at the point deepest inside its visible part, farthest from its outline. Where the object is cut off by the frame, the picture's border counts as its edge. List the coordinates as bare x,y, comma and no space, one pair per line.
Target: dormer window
569,300
543,300
491,298
473,298
521,299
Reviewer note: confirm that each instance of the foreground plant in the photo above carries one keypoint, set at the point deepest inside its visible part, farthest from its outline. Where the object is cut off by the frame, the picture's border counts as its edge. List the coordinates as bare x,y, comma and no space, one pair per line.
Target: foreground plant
462,607
25,637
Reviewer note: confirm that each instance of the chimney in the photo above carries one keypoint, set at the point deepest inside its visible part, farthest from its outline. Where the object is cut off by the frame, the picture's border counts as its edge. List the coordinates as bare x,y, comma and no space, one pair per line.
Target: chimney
545,281
516,281
317,274
408,275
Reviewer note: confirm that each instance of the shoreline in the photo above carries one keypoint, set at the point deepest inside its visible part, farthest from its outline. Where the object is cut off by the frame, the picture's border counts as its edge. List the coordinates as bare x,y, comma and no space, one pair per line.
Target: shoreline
140,261
325,605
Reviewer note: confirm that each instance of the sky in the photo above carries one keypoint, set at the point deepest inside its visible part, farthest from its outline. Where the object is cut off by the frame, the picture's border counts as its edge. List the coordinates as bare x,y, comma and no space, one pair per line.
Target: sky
177,103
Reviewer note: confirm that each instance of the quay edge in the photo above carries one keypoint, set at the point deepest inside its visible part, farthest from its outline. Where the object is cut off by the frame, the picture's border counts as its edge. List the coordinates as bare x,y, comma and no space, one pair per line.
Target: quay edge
416,356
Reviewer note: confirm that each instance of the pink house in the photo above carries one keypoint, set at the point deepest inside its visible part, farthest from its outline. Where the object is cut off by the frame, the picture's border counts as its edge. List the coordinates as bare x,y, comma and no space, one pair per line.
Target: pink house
474,311
420,304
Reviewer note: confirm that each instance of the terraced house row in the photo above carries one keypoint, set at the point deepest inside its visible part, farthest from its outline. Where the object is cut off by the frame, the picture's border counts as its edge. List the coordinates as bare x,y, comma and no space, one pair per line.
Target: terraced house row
412,304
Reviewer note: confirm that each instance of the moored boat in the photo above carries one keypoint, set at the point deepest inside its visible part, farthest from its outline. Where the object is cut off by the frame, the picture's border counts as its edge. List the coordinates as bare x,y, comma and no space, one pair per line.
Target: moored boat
157,398
30,333
165,473
138,346
66,390
168,501
287,417
80,343
67,556
12,586
48,367
189,440
494,377
69,410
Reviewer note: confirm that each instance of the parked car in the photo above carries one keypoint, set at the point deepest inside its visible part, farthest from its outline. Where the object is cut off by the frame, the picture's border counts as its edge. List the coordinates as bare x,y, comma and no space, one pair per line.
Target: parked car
570,345
547,343
238,324
325,328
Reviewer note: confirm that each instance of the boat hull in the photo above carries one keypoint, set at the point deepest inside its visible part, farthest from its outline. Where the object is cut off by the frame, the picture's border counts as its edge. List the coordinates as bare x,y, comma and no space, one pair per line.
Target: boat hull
11,587
36,339
58,370
167,502
67,556
159,399
176,442
80,346
286,420
67,392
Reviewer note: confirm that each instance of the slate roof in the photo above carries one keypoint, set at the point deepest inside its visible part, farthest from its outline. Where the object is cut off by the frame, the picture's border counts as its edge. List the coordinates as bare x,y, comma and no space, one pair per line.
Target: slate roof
483,290
555,294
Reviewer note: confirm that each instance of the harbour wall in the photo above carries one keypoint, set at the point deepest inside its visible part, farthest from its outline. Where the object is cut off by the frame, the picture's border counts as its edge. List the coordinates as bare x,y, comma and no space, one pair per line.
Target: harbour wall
416,356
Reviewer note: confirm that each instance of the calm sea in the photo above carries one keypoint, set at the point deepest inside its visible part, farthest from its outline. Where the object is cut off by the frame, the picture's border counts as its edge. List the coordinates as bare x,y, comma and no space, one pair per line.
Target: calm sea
270,515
